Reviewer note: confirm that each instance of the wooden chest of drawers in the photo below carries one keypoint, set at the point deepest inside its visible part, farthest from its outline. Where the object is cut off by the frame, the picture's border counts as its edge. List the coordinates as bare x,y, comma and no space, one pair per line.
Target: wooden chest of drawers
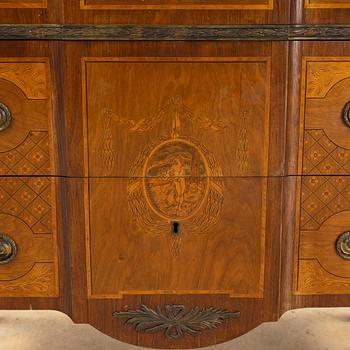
174,173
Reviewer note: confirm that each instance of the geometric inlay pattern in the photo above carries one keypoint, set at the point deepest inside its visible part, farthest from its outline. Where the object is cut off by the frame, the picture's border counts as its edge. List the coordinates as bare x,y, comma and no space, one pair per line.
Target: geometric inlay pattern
31,157
324,157
28,199
323,197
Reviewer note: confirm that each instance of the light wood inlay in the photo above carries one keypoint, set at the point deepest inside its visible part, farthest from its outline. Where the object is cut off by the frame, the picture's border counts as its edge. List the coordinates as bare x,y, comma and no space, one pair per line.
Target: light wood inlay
177,4
23,3
327,4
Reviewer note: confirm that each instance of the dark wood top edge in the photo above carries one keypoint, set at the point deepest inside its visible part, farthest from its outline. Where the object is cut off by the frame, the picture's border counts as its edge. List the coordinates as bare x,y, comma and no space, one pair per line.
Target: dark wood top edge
173,32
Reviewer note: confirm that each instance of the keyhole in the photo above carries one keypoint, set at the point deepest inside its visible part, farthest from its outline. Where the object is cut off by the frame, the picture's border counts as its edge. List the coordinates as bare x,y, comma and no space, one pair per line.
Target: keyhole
175,228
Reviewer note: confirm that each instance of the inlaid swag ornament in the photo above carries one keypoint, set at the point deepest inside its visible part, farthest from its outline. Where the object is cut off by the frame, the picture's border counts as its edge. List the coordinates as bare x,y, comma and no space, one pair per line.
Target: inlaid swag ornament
175,322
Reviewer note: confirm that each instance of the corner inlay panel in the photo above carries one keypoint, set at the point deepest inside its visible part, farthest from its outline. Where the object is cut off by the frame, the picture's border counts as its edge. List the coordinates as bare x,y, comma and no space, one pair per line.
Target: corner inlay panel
177,4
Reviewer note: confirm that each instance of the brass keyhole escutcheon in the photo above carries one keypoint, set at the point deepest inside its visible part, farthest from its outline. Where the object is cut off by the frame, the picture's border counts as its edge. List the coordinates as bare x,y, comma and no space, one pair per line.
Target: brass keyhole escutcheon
8,249
5,117
343,245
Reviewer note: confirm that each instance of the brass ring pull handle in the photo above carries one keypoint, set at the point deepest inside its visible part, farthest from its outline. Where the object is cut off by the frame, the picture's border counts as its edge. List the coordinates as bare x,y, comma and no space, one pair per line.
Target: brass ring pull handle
8,249
5,117
343,245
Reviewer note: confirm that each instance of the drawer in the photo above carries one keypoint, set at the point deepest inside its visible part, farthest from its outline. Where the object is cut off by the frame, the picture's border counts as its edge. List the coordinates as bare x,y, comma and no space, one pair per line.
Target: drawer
177,235
324,255
25,111
212,112
176,11
28,253
326,145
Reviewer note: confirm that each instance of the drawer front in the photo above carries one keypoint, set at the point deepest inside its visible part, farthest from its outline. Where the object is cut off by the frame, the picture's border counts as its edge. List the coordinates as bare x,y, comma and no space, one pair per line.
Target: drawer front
28,256
208,111
324,245
176,236
326,145
25,110
177,11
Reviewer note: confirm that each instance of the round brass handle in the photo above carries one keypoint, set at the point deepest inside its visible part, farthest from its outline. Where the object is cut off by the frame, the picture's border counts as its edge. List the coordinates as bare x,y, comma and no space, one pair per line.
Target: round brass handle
5,117
8,249
343,245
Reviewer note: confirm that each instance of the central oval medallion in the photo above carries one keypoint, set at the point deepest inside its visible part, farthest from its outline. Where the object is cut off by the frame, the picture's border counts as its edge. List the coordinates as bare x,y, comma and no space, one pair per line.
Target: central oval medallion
176,179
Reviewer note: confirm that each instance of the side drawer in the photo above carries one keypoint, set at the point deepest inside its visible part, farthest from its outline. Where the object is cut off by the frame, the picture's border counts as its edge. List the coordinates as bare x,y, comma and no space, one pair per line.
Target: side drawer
326,107
25,117
28,253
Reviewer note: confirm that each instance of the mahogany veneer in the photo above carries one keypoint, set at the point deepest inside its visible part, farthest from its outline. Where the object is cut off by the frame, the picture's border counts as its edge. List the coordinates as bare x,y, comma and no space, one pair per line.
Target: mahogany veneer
174,194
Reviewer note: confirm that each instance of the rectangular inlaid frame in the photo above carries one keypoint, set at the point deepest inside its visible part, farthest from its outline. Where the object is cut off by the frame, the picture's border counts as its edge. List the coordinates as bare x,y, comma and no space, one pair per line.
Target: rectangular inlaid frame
191,5
23,4
264,180
331,4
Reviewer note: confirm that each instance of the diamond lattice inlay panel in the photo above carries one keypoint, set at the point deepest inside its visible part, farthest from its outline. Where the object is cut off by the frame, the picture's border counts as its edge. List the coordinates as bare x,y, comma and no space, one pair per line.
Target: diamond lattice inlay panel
31,157
324,157
28,199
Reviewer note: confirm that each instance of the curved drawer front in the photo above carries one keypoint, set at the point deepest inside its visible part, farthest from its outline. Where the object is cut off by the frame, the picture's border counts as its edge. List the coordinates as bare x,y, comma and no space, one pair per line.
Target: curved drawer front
28,267
25,110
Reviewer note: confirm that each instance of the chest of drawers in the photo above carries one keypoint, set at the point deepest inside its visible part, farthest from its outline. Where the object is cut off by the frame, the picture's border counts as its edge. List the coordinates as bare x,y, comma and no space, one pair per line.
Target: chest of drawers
174,173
